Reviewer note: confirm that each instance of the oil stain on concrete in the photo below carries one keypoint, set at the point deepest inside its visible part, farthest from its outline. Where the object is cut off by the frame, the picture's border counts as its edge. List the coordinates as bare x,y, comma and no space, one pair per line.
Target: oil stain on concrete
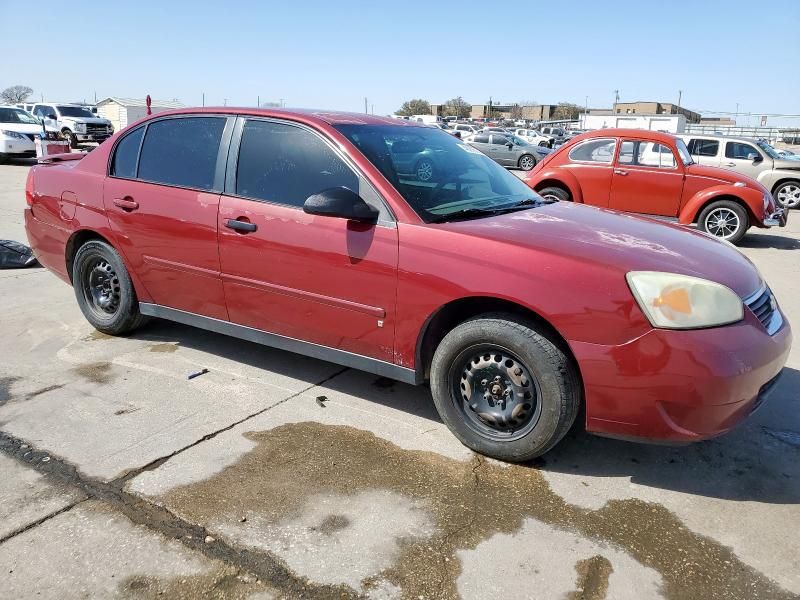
452,507
163,347
96,372
227,583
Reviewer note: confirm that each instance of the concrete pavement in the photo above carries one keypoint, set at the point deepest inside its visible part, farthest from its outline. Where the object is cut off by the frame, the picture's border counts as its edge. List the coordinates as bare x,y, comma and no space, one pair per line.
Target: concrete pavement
274,475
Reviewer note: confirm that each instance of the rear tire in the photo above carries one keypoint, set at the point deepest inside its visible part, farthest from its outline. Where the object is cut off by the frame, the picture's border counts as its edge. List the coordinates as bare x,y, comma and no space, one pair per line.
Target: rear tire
104,289
555,193
504,389
787,194
725,219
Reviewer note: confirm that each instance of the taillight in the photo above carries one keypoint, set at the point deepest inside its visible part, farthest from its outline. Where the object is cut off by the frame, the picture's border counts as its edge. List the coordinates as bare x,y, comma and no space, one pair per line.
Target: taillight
29,188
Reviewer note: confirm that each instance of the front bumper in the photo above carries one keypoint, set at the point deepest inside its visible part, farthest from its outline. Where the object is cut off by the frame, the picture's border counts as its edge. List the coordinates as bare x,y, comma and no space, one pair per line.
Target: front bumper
92,137
681,386
18,147
777,219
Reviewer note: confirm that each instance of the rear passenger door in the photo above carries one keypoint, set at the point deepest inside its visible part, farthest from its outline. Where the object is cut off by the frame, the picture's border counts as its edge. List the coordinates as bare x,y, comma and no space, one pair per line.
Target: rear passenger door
161,198
704,151
324,280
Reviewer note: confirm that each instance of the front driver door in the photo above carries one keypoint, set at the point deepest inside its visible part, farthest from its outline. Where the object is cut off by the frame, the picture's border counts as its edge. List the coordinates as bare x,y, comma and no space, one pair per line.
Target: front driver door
500,150
317,279
647,179
738,157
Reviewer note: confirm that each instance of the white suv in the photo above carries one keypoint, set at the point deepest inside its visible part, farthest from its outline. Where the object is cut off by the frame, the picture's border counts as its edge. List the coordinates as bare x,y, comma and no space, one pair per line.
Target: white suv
754,158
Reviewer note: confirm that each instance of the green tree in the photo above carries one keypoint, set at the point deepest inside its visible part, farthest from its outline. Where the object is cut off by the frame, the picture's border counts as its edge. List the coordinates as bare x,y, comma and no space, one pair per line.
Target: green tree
415,107
16,93
566,110
456,107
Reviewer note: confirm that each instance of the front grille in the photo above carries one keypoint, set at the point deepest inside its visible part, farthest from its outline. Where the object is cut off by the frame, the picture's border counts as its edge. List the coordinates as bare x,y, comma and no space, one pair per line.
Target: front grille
94,129
763,306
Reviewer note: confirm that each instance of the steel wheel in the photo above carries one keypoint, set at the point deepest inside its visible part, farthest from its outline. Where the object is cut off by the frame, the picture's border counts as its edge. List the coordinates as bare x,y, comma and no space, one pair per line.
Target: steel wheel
788,195
495,392
526,163
722,222
424,170
101,287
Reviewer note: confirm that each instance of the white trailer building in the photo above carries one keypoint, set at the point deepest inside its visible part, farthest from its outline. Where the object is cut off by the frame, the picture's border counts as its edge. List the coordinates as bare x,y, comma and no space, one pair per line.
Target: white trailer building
666,123
124,111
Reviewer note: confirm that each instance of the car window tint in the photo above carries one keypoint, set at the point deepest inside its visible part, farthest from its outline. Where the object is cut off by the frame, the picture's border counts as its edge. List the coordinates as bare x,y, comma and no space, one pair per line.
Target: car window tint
499,139
703,147
126,153
286,164
182,152
595,150
481,138
739,150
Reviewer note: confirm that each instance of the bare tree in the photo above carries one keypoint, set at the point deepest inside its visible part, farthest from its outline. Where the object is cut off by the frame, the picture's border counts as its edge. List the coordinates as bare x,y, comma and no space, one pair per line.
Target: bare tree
456,107
516,111
415,107
16,93
566,110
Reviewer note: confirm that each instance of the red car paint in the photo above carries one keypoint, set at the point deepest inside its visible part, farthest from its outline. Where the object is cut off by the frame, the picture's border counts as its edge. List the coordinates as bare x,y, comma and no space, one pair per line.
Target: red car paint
680,193
379,292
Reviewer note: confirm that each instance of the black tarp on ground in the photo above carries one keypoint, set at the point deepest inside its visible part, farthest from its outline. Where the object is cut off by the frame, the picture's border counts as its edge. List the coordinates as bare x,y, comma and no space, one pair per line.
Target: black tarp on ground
14,255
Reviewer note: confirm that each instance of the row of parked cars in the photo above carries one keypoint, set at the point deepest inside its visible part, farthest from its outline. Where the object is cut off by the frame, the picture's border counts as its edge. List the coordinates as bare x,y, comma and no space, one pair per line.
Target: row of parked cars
397,249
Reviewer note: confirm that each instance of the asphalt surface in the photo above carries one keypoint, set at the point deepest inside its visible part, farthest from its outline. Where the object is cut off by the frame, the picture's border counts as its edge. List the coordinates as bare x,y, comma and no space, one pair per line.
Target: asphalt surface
274,475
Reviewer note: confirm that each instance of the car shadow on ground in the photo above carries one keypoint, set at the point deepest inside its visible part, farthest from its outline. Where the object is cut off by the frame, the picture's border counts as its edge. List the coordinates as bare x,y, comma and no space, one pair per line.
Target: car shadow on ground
759,461
766,240
19,162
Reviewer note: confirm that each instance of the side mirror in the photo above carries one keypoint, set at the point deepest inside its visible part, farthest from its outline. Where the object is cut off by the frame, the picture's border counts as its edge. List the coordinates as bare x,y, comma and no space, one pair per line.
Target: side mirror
756,158
342,203
510,145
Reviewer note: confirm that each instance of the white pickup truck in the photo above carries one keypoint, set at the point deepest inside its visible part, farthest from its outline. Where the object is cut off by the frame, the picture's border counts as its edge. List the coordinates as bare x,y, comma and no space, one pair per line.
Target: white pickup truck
76,123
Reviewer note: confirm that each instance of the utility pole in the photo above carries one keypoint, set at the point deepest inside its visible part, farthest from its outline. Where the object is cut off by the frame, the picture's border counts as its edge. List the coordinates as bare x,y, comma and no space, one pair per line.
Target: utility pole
680,93
616,101
372,107
490,108
258,101
365,105
736,116
224,102
204,98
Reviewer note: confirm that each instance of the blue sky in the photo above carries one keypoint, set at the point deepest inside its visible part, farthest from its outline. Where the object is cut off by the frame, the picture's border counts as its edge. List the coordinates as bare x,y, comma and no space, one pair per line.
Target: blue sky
333,54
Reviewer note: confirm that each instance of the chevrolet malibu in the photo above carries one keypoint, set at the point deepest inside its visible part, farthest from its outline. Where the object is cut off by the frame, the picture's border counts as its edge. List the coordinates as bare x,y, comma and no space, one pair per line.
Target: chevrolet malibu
297,229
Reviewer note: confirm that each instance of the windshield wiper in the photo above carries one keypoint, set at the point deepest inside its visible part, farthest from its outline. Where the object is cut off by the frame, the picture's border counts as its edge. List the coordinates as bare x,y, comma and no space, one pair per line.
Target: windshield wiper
472,213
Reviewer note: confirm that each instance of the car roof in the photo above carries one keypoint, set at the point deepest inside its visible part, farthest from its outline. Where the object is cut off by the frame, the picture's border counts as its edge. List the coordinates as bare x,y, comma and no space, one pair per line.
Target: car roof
322,116
658,136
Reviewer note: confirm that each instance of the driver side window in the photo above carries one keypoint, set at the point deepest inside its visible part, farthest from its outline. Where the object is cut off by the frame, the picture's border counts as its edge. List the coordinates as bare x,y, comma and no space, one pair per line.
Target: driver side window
739,150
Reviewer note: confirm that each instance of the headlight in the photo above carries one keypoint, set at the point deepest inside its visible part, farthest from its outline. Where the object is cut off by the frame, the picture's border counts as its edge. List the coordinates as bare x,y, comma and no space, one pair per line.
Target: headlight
80,127
12,134
672,301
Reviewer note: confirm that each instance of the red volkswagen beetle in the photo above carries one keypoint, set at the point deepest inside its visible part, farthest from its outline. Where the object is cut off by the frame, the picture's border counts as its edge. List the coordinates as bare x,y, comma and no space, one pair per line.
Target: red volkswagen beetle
652,173
314,233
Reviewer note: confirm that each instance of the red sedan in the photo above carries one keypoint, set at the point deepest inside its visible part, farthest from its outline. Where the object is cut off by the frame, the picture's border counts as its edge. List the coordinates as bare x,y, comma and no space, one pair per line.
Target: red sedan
652,173
314,232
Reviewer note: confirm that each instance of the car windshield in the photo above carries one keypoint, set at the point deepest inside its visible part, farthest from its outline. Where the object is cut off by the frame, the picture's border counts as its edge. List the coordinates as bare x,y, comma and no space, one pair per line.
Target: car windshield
686,158
17,115
771,152
439,176
75,111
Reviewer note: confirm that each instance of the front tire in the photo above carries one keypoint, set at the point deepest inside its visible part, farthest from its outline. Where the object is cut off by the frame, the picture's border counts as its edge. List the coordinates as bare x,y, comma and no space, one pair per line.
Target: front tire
787,194
504,389
725,219
555,193
104,289
526,162
70,137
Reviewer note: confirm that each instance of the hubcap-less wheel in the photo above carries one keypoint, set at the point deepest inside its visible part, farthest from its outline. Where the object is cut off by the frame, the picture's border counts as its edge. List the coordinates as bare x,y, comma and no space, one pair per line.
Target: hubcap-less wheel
789,195
101,287
496,393
722,222
526,163
425,171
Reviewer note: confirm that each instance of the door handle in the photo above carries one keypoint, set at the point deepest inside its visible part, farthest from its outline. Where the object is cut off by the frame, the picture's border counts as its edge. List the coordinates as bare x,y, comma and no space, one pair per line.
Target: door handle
730,164
127,203
620,172
242,226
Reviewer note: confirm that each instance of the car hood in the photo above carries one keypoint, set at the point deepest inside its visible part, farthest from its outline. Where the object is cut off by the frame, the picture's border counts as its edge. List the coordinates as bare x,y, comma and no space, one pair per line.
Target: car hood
614,240
787,163
88,120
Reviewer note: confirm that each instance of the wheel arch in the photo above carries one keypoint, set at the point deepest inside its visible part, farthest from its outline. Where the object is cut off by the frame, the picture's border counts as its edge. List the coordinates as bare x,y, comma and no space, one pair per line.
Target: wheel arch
448,316
691,211
573,187
783,180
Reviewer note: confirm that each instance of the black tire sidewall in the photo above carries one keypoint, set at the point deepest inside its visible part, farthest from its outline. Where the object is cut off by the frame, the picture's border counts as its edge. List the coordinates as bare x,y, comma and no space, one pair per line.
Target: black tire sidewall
558,192
127,315
779,188
741,212
559,395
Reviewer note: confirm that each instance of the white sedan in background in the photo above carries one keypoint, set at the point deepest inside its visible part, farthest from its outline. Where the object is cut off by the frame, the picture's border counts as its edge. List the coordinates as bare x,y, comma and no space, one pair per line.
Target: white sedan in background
18,130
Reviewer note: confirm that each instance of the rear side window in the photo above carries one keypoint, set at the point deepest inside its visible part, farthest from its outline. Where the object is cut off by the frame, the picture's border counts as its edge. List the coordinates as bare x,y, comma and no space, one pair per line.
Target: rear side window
182,152
703,147
125,155
739,150
599,151
286,164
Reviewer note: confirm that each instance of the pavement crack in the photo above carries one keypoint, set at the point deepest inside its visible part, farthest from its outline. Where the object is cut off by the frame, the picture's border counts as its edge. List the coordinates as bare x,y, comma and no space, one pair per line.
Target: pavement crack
156,463
41,520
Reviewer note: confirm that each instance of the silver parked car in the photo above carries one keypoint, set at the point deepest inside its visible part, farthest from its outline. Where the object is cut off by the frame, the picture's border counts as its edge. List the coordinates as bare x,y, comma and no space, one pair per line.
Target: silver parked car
508,149
754,158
